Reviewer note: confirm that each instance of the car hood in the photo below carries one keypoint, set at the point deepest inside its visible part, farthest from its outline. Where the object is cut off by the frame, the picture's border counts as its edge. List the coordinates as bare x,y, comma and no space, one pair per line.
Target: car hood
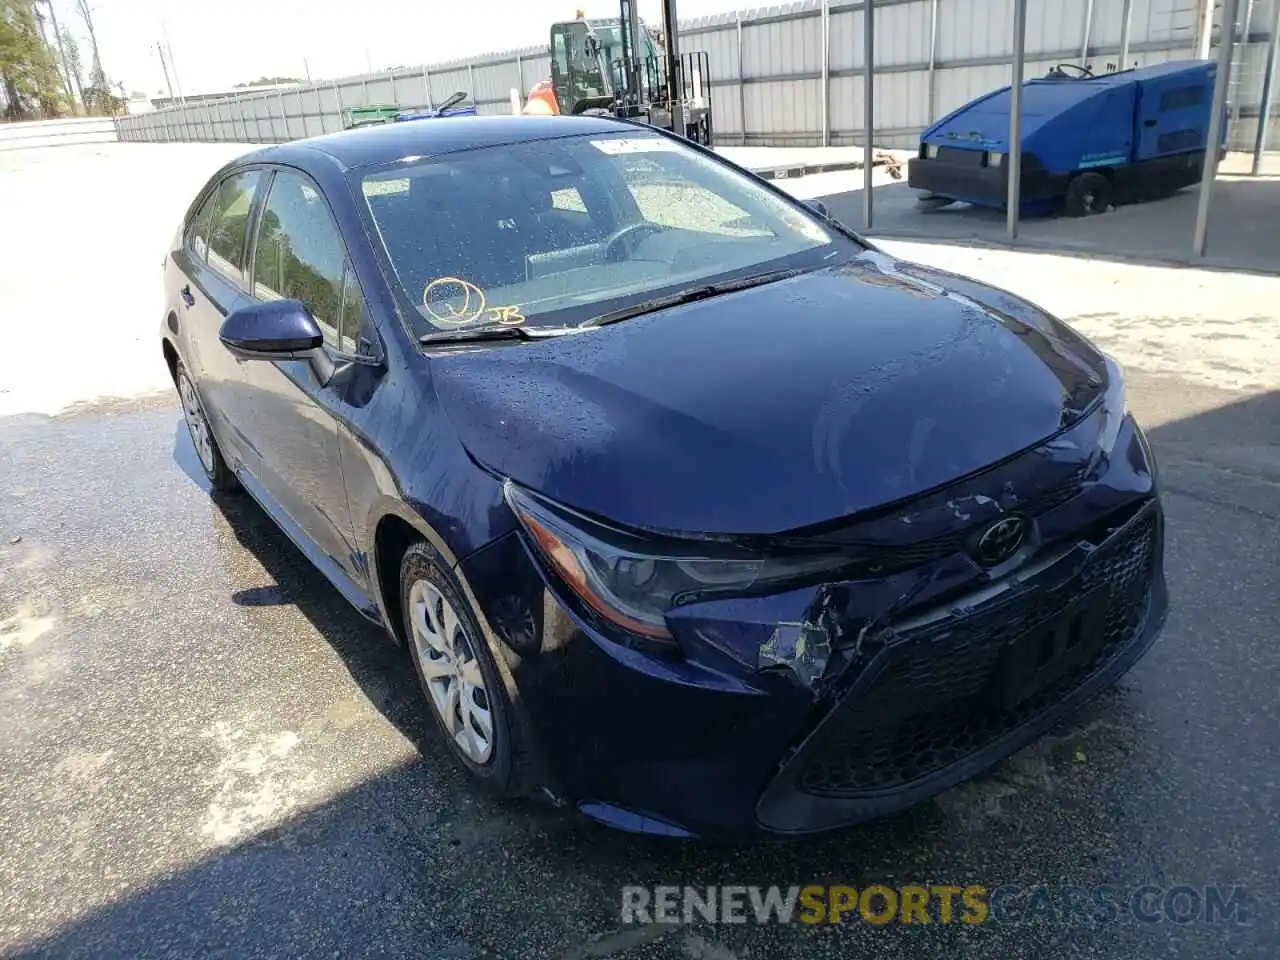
775,407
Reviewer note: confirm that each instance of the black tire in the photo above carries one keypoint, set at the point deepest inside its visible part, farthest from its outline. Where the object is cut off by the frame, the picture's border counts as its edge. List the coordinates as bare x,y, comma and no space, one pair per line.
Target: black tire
505,772
1087,194
221,477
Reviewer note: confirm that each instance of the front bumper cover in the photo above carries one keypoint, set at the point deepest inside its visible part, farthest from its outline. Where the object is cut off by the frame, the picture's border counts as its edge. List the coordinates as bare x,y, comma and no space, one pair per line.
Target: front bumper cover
1127,566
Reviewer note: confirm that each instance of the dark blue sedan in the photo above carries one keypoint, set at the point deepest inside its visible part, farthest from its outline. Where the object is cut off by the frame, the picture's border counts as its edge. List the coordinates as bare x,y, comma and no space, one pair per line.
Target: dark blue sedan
695,511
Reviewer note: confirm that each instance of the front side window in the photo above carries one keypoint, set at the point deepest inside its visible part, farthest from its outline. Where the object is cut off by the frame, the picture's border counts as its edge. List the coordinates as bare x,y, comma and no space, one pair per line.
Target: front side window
227,229
299,254
555,232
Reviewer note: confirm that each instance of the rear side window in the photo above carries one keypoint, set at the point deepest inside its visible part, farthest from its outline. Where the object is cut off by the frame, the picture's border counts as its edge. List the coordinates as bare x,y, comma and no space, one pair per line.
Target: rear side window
299,254
230,219
198,231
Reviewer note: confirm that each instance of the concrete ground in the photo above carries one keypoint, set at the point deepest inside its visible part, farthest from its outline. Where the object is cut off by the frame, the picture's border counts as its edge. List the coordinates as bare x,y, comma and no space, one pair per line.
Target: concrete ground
207,753
1244,221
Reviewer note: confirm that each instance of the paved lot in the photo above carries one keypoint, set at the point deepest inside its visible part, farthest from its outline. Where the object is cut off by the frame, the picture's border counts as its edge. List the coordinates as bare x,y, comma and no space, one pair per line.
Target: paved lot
207,753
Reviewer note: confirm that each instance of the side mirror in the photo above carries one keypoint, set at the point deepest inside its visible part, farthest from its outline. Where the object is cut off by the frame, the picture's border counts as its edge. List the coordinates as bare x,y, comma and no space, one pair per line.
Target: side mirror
277,330
818,207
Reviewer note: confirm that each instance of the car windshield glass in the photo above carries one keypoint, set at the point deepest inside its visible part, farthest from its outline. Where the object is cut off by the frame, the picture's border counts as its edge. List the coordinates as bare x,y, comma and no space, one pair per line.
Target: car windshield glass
556,232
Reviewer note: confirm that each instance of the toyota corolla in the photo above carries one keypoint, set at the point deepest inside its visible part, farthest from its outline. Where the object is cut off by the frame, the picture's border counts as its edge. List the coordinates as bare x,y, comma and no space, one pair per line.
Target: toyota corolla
694,510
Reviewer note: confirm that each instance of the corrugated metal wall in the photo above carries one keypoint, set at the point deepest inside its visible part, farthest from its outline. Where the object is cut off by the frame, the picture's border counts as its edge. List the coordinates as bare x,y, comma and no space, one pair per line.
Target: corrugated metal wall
768,68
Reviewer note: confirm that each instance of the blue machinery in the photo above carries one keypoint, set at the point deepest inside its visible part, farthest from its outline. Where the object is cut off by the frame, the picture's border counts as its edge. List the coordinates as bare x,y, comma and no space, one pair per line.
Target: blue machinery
1014,160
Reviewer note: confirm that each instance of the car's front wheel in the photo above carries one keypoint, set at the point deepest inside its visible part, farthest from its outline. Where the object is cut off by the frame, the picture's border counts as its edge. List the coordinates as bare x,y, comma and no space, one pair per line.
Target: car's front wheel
459,676
215,467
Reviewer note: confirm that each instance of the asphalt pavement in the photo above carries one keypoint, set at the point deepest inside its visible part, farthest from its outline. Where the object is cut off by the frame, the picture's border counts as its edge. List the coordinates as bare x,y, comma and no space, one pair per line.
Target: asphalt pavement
207,753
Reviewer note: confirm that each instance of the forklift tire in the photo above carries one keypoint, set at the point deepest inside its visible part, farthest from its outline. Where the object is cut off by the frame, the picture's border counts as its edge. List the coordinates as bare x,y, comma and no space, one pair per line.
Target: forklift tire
1087,194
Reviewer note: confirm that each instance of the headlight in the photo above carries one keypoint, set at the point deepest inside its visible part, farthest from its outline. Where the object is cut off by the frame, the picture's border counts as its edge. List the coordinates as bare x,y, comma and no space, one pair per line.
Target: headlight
1114,405
930,151
632,580
994,159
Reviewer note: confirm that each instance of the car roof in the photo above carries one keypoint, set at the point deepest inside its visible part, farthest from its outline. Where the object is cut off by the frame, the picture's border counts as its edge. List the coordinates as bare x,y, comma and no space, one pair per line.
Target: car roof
385,143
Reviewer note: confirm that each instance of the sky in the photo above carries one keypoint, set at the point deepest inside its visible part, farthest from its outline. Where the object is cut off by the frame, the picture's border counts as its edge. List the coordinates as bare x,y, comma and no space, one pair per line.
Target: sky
217,43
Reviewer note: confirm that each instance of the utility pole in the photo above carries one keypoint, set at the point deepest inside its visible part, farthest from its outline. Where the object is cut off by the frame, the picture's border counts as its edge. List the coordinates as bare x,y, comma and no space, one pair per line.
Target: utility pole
164,66
173,64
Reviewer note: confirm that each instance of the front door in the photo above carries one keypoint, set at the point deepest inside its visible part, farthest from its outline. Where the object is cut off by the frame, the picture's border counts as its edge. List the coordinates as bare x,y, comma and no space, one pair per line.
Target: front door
214,285
298,254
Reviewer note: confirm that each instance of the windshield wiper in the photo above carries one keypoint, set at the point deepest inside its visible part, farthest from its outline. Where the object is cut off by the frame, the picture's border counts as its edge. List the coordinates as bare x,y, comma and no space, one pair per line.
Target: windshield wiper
481,334
690,295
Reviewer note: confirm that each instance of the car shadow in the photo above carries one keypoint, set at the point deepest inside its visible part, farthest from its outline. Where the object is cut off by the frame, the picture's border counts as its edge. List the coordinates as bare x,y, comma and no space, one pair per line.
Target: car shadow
381,668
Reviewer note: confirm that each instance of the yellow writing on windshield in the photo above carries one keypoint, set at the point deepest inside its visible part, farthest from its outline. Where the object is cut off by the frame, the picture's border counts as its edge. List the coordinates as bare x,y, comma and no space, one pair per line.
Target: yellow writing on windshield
454,302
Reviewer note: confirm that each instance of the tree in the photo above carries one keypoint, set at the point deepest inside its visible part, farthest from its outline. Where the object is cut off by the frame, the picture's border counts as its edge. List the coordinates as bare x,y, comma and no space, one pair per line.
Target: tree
28,68
73,62
97,77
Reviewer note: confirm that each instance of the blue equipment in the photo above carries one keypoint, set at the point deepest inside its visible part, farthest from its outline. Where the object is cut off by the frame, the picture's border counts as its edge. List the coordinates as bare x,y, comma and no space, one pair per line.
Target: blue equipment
1087,141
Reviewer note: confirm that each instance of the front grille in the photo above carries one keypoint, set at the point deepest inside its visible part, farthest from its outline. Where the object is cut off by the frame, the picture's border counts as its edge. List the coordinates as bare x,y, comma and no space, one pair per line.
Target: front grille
905,556
934,703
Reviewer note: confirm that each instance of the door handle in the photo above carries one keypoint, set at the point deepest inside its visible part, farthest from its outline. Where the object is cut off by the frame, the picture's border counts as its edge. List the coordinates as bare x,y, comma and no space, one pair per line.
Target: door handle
187,297
1151,122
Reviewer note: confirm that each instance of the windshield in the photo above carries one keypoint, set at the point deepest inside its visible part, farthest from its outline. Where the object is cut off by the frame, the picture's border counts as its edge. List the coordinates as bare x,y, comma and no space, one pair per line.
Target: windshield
555,232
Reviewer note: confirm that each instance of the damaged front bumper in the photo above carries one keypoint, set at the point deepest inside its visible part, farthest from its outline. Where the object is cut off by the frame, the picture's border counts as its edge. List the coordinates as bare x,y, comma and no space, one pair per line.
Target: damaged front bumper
821,706
936,699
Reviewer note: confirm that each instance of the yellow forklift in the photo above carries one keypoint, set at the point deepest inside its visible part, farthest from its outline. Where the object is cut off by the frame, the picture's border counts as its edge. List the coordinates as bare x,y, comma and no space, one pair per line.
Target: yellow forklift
618,67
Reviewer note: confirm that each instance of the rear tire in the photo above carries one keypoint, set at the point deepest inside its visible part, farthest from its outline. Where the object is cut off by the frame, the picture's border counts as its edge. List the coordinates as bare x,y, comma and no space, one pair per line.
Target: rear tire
459,676
1087,194
221,478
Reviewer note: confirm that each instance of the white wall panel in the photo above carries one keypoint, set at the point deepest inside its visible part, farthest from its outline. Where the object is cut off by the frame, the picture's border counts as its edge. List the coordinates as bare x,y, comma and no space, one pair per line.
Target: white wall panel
782,55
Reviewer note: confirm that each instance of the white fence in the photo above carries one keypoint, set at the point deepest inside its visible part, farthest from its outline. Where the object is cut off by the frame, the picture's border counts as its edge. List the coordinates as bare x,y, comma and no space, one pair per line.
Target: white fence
788,75
52,133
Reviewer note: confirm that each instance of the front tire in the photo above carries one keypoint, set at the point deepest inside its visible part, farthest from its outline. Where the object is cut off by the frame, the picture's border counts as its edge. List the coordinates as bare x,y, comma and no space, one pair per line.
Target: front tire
459,676
1087,194
221,477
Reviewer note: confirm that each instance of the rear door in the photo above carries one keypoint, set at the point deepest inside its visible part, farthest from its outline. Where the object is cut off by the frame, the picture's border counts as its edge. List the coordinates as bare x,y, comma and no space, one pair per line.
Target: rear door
1173,114
298,254
216,284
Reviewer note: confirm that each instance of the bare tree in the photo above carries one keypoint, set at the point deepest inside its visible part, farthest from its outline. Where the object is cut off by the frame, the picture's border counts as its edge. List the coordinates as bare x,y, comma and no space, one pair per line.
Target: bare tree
73,62
60,39
97,78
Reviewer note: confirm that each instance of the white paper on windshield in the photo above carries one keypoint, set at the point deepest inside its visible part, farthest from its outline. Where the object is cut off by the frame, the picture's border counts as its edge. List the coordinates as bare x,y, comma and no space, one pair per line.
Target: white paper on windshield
616,146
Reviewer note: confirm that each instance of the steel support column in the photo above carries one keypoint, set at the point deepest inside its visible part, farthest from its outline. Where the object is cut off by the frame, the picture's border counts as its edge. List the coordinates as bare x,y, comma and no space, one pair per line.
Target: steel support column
1013,159
1086,31
742,85
826,73
1212,147
868,109
933,60
1268,93
1126,28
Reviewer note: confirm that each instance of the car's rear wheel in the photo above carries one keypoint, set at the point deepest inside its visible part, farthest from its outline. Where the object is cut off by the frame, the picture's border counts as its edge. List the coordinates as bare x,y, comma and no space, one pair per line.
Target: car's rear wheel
207,451
459,675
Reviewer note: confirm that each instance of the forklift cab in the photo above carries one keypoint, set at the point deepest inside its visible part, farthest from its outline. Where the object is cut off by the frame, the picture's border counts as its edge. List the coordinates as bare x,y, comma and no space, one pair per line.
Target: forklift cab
587,63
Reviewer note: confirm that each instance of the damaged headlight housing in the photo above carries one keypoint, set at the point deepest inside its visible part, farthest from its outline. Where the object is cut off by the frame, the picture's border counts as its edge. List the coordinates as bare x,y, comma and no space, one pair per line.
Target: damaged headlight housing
1114,405
631,580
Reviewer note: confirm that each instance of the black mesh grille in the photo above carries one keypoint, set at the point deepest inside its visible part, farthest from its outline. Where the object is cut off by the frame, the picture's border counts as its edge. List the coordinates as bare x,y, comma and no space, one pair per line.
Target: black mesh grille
934,704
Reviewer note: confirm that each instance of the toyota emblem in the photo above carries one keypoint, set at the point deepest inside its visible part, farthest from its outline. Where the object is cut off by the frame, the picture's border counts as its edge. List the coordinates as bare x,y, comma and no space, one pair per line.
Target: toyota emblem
1001,540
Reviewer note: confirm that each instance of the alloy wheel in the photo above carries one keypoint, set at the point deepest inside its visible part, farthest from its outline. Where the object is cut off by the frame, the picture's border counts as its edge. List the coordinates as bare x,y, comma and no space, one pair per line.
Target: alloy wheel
451,671
197,425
